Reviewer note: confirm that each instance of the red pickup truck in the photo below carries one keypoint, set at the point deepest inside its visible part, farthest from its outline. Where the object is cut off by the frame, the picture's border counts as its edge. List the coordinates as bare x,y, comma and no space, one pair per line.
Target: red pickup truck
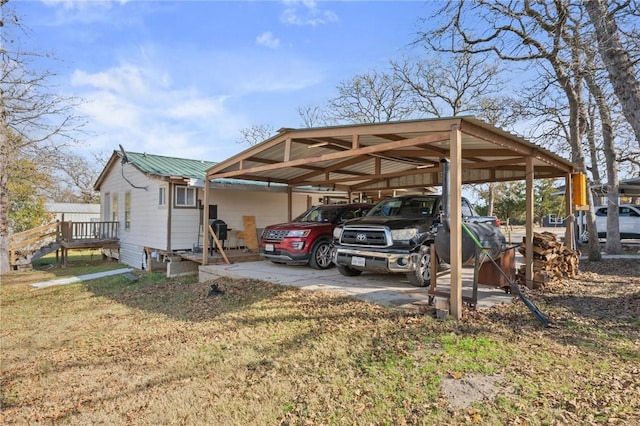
307,239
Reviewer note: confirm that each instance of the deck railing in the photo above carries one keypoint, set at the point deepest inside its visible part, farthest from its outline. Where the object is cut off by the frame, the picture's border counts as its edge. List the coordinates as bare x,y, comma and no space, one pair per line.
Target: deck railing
73,231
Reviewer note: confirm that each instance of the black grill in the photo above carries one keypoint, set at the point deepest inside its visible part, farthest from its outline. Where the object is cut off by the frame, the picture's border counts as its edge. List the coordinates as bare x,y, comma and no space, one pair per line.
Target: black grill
364,237
273,234
220,228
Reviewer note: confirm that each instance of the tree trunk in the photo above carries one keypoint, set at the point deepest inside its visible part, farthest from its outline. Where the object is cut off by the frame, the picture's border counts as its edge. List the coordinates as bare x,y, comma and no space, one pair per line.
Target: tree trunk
612,245
593,148
616,59
4,189
577,155
492,197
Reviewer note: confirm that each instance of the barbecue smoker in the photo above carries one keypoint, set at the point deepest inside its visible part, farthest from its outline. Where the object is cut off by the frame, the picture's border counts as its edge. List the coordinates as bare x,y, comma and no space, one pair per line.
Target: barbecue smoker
488,235
220,229
480,242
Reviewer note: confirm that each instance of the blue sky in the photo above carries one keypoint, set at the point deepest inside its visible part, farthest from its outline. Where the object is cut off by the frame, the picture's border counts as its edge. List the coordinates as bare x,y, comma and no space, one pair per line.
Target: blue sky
182,78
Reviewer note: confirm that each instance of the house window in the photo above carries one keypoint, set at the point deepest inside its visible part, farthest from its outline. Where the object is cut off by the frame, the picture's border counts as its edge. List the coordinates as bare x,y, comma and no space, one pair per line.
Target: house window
162,196
114,207
185,196
127,210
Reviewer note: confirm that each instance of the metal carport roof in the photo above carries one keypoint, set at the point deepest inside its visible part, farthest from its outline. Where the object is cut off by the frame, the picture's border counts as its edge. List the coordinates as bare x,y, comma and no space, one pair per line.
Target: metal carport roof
391,155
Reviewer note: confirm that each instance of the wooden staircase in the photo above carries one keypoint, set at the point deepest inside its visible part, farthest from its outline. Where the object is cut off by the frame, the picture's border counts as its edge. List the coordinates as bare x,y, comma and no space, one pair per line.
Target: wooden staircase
30,245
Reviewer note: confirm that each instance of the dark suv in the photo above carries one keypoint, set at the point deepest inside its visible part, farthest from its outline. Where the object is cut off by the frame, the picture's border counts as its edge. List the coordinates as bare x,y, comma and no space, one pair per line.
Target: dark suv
307,239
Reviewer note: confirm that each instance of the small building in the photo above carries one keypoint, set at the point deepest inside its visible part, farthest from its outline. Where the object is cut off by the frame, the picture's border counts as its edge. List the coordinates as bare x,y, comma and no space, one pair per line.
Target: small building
551,220
158,204
74,212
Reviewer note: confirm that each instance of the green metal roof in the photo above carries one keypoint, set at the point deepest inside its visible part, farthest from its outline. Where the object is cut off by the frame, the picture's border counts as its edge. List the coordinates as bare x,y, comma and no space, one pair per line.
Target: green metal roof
168,166
162,166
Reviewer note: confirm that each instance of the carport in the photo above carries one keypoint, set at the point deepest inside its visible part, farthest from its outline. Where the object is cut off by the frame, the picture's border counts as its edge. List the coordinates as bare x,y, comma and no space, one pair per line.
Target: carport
626,188
367,158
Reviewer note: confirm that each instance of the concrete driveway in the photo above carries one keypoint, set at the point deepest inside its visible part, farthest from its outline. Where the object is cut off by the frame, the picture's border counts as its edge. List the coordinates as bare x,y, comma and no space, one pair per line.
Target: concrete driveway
385,289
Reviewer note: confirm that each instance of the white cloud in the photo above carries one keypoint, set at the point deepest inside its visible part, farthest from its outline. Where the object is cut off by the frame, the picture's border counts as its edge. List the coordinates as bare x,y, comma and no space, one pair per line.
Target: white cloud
138,108
81,4
81,11
277,81
267,39
306,12
201,108
124,79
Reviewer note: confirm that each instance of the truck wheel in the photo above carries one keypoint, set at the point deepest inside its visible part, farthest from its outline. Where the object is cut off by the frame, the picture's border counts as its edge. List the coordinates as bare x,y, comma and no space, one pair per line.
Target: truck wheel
320,256
421,277
348,272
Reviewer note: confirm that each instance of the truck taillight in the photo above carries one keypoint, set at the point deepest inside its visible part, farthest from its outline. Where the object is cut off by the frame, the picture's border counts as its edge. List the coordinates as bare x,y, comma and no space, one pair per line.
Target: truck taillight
498,223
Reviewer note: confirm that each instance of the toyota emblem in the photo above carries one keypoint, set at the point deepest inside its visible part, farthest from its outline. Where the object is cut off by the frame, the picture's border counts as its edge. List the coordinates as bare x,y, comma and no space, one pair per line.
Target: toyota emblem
361,236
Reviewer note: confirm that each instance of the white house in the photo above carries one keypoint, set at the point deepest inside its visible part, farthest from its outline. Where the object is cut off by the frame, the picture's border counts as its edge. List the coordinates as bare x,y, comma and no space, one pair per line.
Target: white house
157,202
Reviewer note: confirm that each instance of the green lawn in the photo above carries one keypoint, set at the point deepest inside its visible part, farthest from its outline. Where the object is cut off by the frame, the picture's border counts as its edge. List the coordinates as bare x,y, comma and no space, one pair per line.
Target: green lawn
161,351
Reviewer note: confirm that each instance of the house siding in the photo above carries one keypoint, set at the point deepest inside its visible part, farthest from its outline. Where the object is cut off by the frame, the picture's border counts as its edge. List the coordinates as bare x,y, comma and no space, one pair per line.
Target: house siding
267,207
148,219
185,224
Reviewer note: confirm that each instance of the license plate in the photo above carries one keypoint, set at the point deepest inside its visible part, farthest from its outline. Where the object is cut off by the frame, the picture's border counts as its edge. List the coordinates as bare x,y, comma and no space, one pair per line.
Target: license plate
357,261
268,247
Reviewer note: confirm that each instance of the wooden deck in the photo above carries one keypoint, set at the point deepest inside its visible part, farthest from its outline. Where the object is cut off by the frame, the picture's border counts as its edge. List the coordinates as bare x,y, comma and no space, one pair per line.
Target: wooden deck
185,262
234,255
91,243
87,235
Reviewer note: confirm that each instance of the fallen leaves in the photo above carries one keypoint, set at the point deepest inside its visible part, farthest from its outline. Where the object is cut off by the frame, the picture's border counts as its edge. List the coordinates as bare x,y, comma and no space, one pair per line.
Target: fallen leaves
165,352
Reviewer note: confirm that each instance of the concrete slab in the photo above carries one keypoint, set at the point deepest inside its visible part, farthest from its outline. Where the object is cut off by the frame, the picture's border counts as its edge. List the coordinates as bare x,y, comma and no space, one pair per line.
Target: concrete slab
385,289
177,268
80,278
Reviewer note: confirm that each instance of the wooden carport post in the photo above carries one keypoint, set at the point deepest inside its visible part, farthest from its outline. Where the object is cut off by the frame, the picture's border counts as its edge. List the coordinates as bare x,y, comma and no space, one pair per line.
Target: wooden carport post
569,232
205,222
528,256
455,200
289,203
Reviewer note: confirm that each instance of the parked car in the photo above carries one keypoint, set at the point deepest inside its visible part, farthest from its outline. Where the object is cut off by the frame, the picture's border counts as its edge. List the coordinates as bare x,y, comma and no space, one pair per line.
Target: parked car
307,239
396,236
629,221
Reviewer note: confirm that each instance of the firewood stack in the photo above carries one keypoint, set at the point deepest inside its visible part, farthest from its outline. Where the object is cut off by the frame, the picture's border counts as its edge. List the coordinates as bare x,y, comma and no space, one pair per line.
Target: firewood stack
552,261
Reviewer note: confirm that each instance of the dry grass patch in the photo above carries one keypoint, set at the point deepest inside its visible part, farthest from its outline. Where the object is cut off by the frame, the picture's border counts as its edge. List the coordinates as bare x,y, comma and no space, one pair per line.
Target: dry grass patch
160,351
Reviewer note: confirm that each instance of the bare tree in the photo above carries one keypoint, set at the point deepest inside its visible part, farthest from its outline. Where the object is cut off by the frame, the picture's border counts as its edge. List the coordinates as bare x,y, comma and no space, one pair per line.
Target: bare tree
461,84
75,178
4,185
255,134
39,120
620,67
314,116
374,97
613,244
454,86
531,31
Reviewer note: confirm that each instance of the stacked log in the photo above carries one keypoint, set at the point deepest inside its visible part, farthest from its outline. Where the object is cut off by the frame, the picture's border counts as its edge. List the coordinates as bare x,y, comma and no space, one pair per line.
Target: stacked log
552,261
